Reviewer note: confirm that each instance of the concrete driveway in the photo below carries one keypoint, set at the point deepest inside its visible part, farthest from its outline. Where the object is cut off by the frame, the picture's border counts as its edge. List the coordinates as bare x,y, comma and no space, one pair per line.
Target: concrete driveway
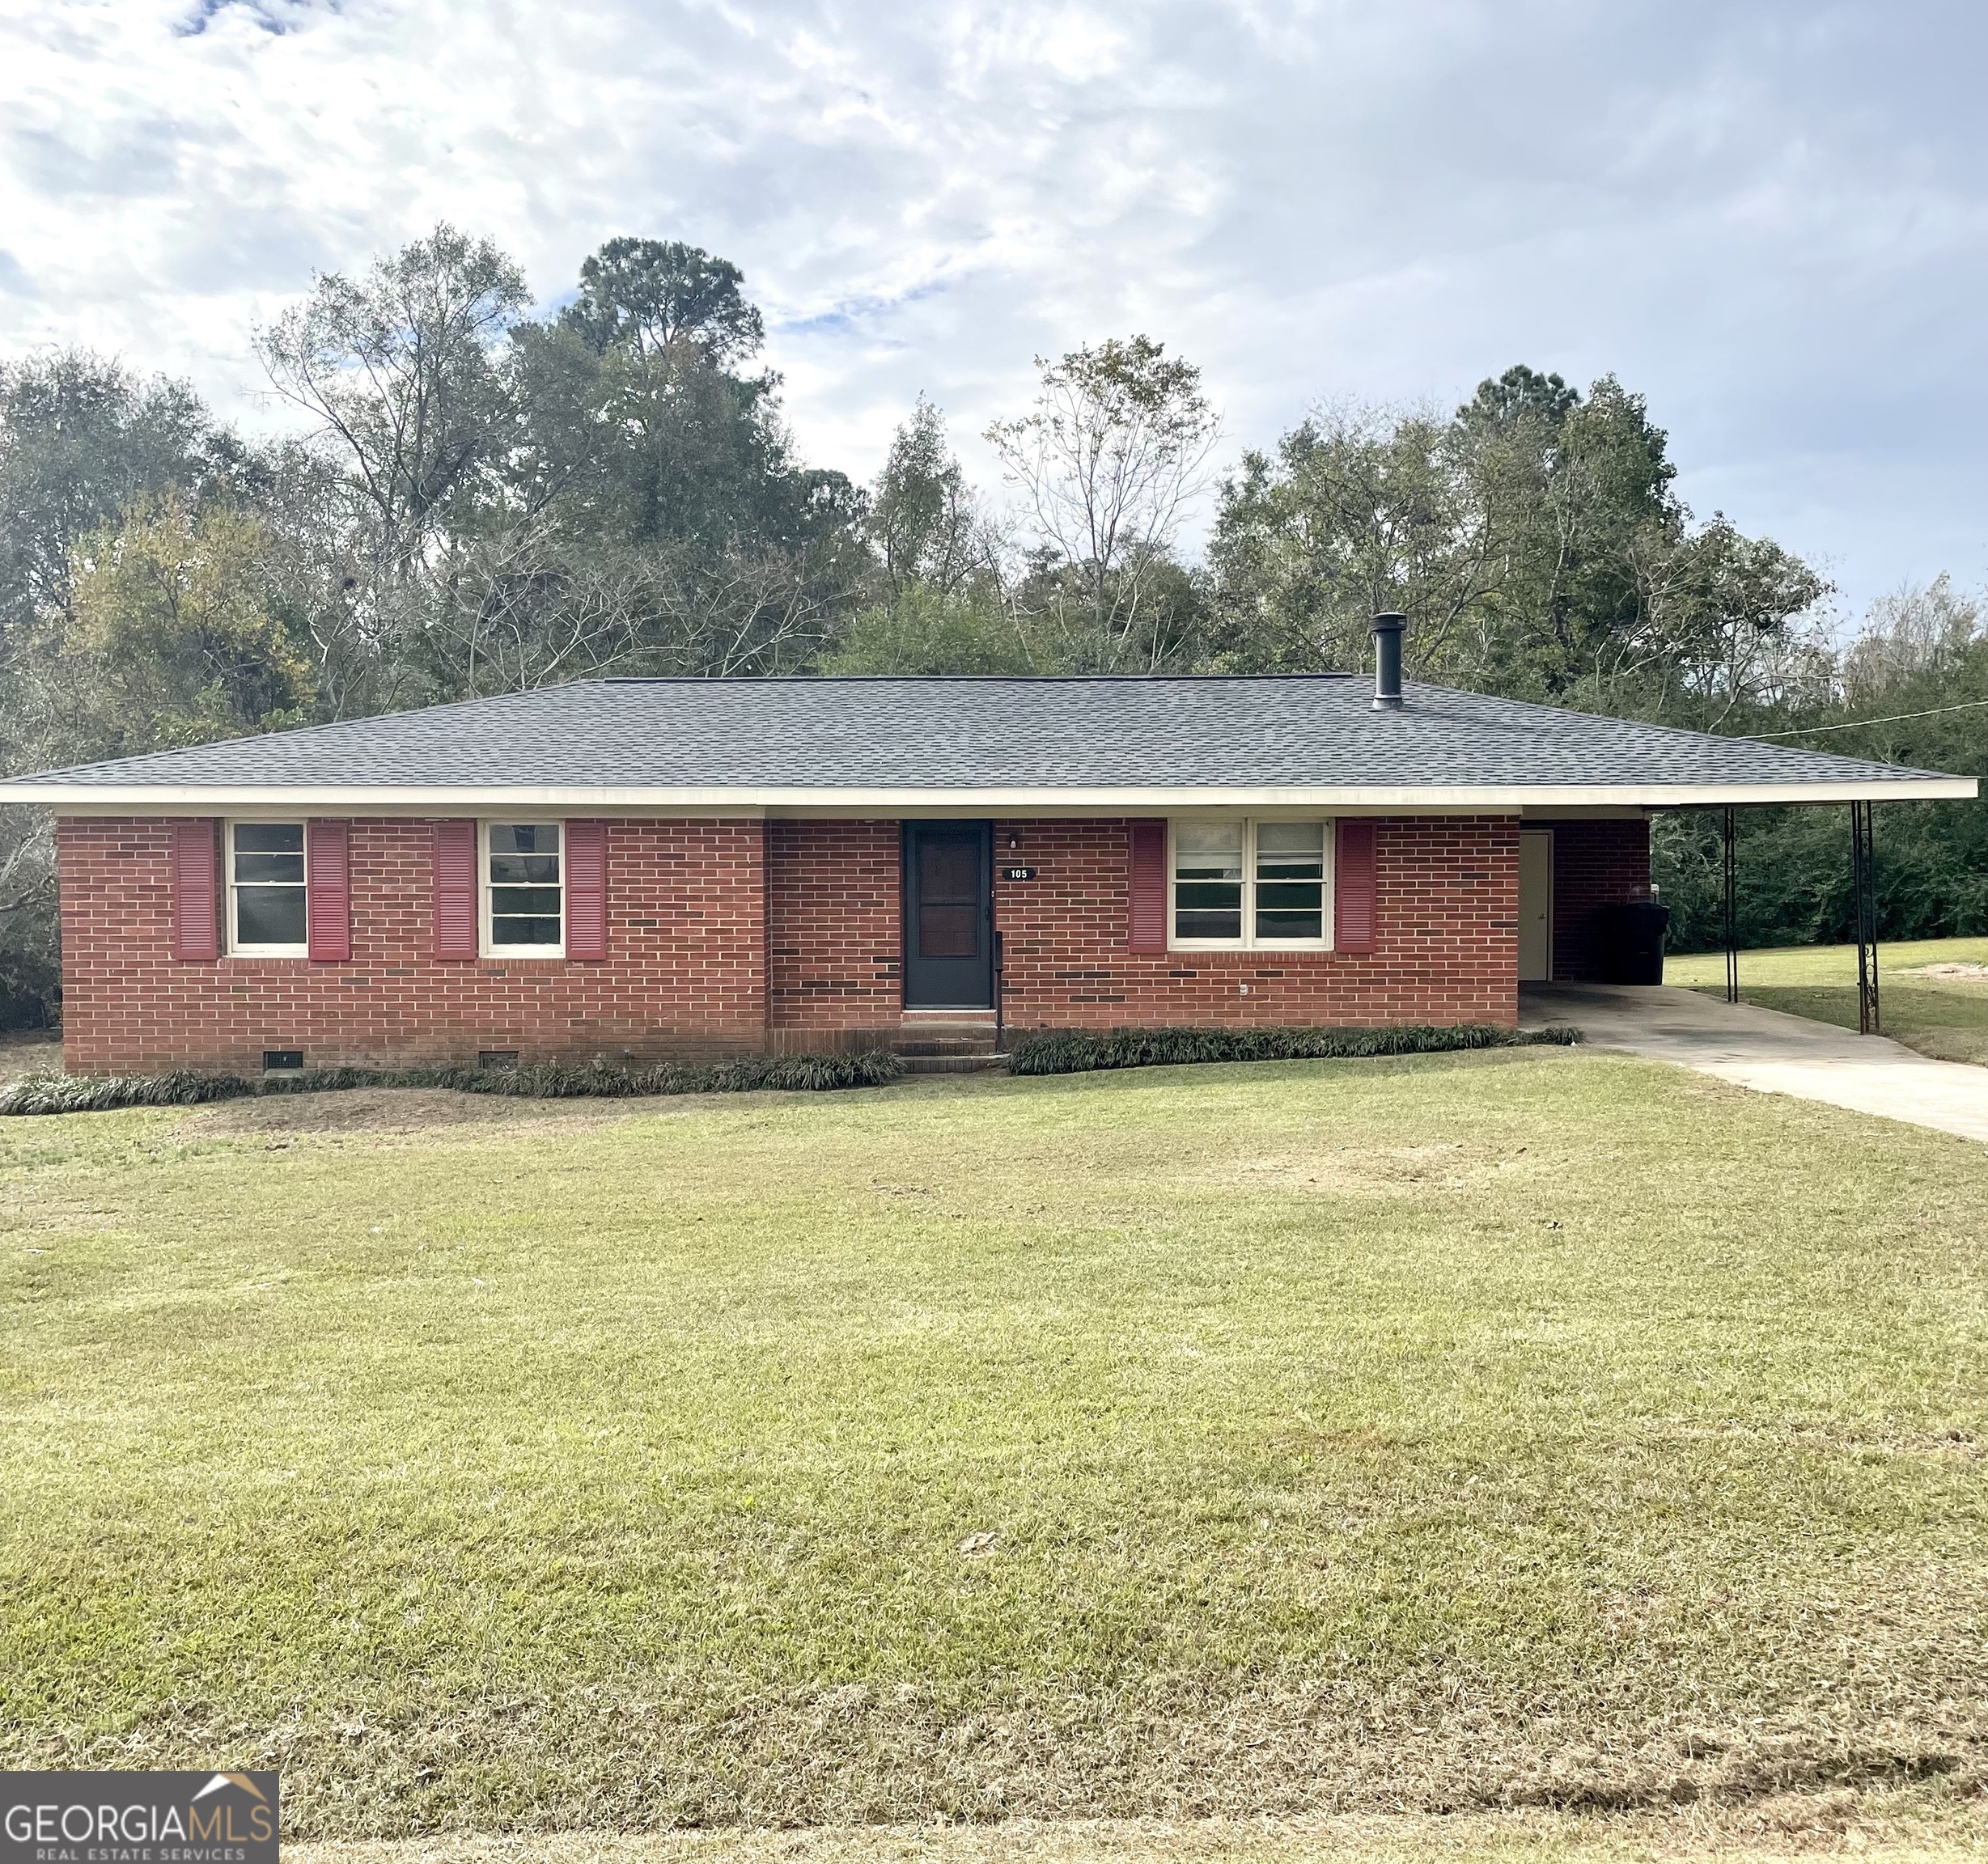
1766,1050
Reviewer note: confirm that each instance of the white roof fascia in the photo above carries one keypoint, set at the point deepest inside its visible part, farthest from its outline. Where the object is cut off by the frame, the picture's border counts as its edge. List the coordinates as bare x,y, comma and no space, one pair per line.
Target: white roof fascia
421,799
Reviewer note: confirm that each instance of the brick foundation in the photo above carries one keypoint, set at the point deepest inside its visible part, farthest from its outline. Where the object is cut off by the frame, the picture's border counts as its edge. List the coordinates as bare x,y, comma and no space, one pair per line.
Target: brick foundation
737,935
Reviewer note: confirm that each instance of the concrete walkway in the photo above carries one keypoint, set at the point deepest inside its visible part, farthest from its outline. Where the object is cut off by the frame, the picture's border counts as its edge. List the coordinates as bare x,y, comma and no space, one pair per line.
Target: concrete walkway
1766,1050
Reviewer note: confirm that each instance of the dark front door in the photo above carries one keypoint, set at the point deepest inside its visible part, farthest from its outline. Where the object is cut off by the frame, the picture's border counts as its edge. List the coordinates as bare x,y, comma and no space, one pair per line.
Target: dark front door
948,915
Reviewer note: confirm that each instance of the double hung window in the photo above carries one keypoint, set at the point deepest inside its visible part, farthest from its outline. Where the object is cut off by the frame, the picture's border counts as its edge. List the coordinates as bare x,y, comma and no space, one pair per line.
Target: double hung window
266,890
1249,885
523,894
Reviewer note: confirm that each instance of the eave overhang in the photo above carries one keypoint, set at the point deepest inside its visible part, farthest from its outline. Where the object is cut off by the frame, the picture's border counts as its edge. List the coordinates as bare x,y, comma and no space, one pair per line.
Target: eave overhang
420,799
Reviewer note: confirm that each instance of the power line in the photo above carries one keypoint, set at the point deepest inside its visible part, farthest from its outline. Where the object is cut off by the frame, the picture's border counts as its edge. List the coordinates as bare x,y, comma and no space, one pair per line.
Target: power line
1853,724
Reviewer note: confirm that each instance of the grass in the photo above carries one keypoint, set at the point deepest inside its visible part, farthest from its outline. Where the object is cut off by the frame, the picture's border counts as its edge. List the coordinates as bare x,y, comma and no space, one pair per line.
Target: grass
1524,1429
1893,1828
1946,1018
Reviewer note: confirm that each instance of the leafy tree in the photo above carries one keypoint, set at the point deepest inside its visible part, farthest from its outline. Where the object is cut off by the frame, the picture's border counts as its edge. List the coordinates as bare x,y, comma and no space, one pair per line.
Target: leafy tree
923,519
1106,463
923,629
81,438
645,445
646,296
1532,540
637,424
173,638
656,520
400,370
1355,514
938,604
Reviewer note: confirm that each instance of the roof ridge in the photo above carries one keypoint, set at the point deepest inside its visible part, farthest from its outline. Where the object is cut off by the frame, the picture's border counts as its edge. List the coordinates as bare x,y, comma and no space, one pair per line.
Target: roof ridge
937,679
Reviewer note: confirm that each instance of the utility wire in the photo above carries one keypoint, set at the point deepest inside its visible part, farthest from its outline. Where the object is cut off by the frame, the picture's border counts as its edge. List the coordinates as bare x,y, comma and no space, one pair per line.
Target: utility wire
1853,724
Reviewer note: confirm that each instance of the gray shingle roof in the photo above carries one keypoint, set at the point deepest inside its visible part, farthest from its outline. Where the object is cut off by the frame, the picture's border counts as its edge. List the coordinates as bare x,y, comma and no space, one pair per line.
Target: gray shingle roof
825,735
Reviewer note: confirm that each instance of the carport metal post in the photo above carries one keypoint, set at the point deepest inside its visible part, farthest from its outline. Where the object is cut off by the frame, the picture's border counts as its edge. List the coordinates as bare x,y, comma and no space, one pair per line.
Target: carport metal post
1863,885
1732,913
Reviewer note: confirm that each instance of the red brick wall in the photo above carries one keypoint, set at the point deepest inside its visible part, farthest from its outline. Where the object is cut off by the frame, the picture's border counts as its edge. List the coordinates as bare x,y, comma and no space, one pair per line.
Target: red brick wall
733,935
686,972
1596,864
834,926
1445,937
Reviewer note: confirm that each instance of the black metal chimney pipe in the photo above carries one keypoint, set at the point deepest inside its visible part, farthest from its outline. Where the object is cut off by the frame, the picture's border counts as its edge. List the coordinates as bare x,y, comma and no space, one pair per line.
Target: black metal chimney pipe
1388,662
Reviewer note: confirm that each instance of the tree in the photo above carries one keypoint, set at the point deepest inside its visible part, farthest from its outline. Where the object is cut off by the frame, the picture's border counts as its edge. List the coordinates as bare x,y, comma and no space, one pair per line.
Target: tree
1107,462
1576,493
646,296
641,445
923,519
1911,636
81,438
634,419
1532,540
174,638
400,370
1357,512
921,629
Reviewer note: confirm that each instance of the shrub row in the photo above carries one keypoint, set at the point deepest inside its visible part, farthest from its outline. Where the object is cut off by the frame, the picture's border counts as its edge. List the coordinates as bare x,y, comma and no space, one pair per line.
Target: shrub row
52,1093
1073,1052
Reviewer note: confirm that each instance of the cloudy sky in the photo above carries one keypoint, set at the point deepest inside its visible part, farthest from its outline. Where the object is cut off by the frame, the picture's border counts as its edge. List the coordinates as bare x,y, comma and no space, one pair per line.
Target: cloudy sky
1768,217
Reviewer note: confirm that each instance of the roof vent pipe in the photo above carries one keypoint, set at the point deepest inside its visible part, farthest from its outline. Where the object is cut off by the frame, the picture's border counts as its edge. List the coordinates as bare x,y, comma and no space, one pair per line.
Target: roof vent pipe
1388,662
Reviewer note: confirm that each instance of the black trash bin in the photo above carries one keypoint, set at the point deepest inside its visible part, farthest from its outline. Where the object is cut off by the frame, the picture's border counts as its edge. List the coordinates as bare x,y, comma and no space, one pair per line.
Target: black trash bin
1632,941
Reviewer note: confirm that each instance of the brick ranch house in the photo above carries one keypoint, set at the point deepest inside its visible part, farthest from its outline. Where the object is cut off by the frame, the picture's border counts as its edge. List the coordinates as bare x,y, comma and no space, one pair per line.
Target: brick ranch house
639,868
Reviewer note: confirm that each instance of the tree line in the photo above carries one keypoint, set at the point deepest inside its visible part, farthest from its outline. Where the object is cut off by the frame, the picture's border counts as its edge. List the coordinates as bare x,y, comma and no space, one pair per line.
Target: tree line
473,500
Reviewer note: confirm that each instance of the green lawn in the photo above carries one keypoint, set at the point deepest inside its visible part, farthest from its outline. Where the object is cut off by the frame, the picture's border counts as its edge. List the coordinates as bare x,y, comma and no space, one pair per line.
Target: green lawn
1943,1017
1525,1428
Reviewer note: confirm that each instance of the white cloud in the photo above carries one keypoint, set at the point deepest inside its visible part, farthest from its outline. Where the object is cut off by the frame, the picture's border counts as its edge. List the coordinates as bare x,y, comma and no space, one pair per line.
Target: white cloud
1768,216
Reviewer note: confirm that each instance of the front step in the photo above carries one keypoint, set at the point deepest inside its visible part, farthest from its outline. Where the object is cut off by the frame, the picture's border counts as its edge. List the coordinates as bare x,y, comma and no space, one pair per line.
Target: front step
983,1064
935,1038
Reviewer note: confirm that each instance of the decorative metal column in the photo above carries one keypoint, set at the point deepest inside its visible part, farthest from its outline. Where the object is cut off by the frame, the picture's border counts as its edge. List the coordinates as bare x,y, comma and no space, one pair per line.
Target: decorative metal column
1863,886
1732,912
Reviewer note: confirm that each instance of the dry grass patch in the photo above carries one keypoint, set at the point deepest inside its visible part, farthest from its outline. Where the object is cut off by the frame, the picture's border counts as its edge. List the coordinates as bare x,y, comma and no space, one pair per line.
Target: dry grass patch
398,1110
1896,1828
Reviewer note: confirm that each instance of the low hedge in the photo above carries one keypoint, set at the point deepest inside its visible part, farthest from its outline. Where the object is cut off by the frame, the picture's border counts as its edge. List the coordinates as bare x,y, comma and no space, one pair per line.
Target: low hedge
1070,1052
52,1093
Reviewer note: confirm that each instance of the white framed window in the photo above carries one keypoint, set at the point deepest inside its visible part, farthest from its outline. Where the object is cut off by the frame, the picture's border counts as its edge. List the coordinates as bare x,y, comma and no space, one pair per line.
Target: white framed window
267,892
1249,884
524,895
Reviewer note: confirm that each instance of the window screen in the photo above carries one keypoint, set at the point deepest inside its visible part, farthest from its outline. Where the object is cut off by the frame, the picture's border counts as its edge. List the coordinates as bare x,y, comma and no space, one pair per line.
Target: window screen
1249,884
526,895
1291,880
1208,880
266,887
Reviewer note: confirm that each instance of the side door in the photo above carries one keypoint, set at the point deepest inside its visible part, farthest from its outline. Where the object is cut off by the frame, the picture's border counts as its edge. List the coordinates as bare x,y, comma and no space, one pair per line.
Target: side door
1535,905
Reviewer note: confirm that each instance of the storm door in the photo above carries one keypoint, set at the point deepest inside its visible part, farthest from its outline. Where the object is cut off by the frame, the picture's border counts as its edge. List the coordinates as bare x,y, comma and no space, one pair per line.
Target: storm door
948,915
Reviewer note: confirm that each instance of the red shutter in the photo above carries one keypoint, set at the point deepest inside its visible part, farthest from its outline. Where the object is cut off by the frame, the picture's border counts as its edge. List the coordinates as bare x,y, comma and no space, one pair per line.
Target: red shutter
196,891
1352,887
455,890
328,867
1148,915
586,890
